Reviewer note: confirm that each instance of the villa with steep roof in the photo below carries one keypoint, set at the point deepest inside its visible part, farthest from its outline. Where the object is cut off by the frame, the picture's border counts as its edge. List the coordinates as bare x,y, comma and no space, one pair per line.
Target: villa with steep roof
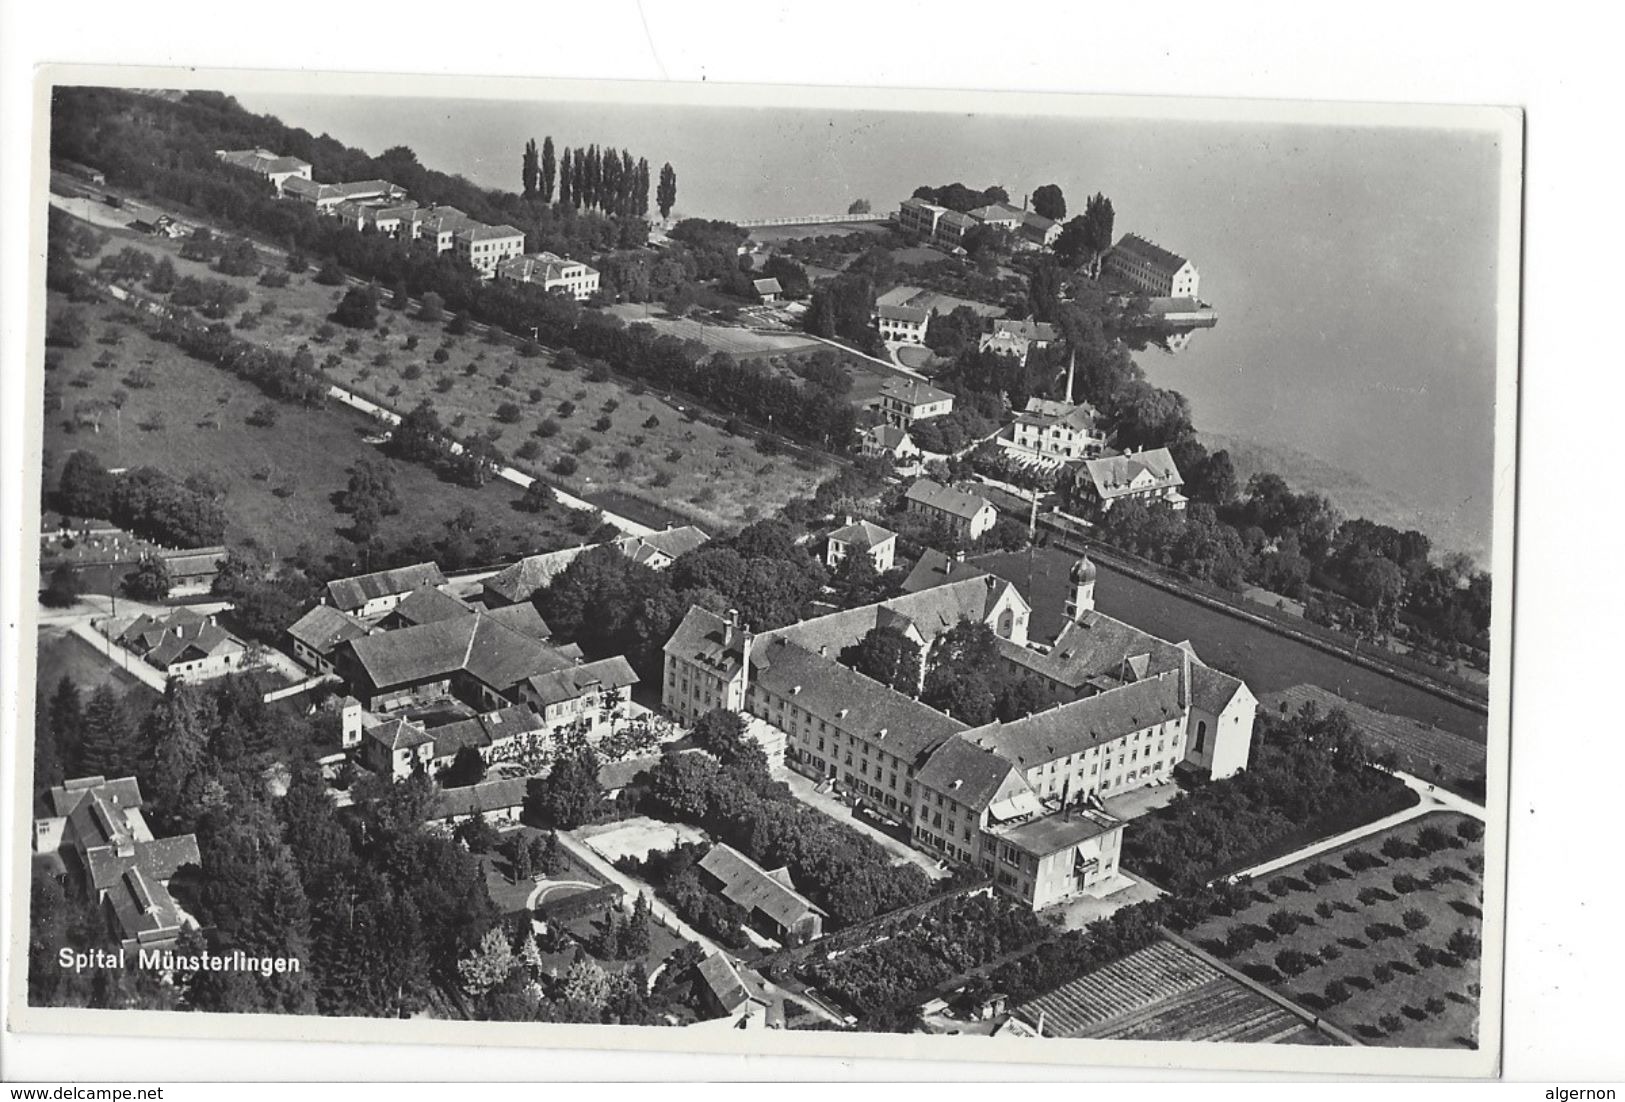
1148,476
861,537
905,401
185,645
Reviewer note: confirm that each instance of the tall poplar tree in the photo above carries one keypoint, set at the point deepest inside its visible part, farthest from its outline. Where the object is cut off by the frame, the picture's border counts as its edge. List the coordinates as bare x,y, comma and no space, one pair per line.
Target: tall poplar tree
531,169
640,190
666,196
549,169
566,180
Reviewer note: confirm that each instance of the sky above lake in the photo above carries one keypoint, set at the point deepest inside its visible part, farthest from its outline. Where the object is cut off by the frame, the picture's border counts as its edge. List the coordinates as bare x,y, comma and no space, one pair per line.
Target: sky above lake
1354,269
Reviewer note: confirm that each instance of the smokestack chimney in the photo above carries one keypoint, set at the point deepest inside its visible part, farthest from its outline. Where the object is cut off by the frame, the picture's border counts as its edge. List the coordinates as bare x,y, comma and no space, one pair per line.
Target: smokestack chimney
1071,367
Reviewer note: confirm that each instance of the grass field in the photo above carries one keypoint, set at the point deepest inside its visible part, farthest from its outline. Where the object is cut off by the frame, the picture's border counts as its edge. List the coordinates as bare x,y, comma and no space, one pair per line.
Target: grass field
737,342
692,468
1379,937
280,480
62,654
1423,751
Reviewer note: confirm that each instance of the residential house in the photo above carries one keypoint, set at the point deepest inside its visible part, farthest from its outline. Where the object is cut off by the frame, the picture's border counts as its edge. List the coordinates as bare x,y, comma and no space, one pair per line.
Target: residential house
585,695
534,573
262,162
1015,338
1059,430
483,247
499,735
369,595
905,401
551,272
967,515
125,866
888,442
862,537
767,290
769,899
953,228
439,226
315,634
184,645
1149,476
424,605
902,323
1152,269
933,568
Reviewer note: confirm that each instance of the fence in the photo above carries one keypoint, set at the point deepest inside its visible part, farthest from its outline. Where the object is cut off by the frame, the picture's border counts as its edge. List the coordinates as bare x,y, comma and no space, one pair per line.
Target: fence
812,220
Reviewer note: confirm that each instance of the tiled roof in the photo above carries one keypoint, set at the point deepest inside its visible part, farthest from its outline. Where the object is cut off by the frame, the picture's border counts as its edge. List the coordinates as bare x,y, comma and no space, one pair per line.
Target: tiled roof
1071,728
428,605
934,569
947,499
889,437
911,314
206,640
913,392
324,627
720,976
262,161
399,734
752,887
767,286
157,858
199,560
998,212
479,231
971,774
1155,255
522,618
124,792
1096,644
478,645
863,533
572,683
522,580
849,700
1114,475
479,799
930,611
1023,330
352,593
1211,690
143,907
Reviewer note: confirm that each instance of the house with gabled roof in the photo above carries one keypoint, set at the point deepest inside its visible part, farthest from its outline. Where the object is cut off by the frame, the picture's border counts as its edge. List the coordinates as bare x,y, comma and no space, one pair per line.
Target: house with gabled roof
769,899
969,516
906,324
369,595
736,995
887,442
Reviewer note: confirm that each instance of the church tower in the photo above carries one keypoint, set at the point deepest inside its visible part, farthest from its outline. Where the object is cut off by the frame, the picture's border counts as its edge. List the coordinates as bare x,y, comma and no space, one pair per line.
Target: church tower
1081,599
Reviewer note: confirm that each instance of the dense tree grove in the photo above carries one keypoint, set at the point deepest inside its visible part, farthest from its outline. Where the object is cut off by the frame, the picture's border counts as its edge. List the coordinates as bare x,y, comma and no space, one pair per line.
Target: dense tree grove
1309,776
145,500
847,874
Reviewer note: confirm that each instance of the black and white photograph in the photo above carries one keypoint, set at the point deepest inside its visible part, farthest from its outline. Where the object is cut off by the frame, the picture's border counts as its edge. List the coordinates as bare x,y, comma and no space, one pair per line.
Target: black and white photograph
757,569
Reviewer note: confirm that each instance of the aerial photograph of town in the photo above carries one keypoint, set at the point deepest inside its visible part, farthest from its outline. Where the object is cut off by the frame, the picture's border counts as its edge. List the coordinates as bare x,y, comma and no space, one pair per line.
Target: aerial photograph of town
738,568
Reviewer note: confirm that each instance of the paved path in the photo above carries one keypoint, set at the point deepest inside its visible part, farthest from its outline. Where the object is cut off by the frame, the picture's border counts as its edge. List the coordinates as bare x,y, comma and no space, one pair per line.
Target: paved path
507,474
804,790
633,887
118,656
1432,798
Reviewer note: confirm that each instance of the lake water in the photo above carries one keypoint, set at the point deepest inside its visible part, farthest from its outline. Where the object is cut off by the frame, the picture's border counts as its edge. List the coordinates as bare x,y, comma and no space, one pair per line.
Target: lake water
1354,270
